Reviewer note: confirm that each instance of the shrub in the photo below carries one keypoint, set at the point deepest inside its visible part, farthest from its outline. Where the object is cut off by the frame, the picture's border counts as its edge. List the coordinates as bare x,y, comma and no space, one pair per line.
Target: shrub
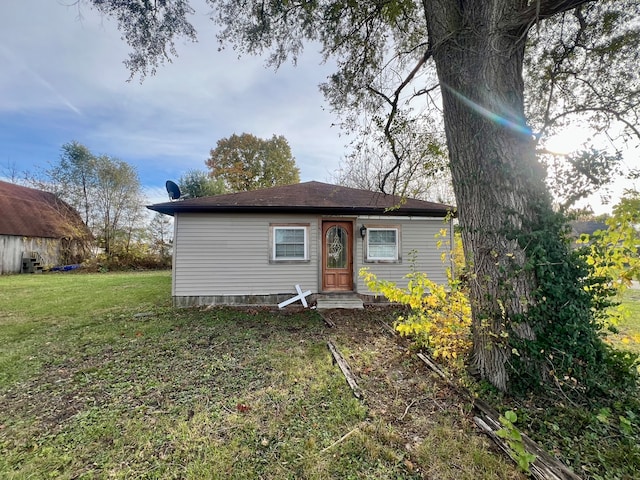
135,257
440,315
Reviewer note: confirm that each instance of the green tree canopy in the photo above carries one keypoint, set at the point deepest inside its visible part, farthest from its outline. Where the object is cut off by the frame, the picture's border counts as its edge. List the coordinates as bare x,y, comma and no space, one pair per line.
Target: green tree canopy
105,190
246,162
161,232
73,178
198,183
117,200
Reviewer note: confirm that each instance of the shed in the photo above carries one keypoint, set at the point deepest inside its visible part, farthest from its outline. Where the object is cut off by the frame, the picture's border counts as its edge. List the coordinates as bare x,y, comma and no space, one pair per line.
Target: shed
253,247
37,230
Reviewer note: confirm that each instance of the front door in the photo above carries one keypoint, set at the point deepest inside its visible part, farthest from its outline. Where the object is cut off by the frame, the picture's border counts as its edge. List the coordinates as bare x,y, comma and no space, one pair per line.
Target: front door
337,248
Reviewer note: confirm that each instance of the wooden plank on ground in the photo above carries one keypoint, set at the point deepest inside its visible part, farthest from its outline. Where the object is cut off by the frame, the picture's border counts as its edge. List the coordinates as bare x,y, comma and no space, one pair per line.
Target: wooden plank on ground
435,368
346,370
327,320
544,467
388,328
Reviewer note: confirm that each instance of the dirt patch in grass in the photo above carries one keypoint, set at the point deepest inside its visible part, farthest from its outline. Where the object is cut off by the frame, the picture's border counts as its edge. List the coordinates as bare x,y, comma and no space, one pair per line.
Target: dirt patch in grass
237,393
432,419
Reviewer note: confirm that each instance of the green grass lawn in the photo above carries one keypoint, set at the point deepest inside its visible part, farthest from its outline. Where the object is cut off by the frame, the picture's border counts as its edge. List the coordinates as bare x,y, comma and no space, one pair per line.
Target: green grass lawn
38,311
628,337
101,378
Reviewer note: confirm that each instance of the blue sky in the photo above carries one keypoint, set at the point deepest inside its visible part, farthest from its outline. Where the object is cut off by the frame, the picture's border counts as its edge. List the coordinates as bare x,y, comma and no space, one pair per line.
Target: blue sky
62,79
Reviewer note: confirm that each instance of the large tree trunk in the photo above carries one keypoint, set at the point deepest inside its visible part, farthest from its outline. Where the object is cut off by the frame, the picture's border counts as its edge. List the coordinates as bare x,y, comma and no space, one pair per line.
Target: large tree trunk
499,184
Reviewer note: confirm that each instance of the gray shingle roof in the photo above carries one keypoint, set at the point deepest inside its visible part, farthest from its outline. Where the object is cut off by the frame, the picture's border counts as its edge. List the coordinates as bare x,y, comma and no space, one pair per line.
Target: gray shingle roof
578,227
307,197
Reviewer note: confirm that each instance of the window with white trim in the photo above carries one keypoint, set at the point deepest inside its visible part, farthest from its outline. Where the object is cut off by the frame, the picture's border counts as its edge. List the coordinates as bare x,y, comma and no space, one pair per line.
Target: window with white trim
290,243
382,244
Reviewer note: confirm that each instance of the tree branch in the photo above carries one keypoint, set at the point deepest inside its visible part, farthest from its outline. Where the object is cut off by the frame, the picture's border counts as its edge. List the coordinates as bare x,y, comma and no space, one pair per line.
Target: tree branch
540,10
610,111
557,68
393,102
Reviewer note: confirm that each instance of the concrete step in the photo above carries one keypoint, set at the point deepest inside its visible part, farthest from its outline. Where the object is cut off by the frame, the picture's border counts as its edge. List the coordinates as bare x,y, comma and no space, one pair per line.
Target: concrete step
328,301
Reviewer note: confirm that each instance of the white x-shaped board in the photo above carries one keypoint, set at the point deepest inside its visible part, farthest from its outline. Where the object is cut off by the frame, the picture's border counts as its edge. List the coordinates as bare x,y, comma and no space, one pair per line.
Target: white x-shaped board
301,296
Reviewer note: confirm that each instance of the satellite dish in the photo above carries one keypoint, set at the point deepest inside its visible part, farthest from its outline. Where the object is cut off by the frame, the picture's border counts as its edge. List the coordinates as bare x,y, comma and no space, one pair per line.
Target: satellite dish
173,190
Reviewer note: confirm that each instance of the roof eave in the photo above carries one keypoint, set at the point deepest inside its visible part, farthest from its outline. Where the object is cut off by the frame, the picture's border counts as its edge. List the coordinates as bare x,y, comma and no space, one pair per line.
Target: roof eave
176,207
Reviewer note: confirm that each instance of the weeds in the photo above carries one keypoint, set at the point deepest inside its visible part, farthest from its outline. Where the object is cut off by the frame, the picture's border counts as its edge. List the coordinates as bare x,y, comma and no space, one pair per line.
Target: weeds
513,437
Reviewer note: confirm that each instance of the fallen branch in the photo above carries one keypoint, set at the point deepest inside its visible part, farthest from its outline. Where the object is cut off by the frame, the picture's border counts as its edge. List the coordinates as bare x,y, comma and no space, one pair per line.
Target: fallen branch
406,410
327,320
346,370
544,467
341,439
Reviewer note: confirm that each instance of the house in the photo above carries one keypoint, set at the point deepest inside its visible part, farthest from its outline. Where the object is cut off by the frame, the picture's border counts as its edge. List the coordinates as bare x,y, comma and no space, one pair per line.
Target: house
586,227
253,247
38,230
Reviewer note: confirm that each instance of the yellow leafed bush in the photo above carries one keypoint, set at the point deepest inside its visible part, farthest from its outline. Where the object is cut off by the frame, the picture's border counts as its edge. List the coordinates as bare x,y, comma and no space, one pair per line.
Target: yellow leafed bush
614,254
440,317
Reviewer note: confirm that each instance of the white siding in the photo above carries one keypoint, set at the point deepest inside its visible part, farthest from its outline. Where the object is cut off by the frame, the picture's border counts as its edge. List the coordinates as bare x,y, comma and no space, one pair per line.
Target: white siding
228,254
417,234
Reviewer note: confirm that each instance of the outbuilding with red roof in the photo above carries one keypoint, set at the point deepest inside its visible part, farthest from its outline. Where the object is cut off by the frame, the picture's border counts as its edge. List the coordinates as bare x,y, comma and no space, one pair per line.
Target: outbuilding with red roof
38,230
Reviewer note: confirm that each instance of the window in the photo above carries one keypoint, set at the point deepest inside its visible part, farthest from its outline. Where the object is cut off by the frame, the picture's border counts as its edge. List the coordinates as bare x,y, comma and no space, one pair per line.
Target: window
289,243
336,245
382,244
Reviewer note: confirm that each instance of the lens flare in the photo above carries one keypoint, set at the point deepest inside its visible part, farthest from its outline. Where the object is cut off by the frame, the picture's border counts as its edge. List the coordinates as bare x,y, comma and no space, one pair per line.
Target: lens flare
494,117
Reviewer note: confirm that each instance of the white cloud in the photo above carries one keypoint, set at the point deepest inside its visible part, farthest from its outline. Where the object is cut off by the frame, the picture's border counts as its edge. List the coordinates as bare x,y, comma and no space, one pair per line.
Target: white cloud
64,80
